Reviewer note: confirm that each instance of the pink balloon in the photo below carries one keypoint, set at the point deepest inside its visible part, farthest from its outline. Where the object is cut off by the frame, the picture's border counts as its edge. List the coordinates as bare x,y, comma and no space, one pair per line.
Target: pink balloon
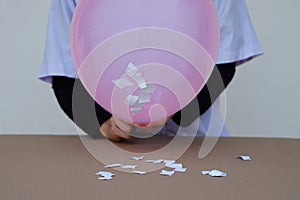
144,60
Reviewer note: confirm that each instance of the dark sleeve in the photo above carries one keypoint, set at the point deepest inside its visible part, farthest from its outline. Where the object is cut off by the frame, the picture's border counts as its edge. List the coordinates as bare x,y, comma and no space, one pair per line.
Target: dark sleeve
220,78
79,106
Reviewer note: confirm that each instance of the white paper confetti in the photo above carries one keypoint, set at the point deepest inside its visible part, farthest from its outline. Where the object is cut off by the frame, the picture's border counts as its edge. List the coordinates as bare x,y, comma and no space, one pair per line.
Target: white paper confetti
105,175
149,161
135,110
205,172
144,98
149,89
180,169
131,100
137,158
139,172
128,166
246,158
169,162
140,80
166,173
122,83
158,161
175,165
214,173
113,165
131,70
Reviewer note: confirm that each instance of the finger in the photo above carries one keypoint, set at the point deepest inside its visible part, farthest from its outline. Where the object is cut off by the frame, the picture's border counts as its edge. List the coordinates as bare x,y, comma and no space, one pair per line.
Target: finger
124,126
109,135
116,131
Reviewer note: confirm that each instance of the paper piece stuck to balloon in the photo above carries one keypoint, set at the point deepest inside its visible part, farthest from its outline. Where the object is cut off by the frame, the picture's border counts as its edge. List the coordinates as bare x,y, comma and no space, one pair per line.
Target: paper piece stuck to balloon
149,89
122,83
166,173
140,80
131,70
214,173
135,110
144,98
246,158
131,100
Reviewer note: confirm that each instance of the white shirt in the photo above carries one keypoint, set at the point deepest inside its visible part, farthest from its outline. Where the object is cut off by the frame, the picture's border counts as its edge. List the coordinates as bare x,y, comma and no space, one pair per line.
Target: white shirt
238,43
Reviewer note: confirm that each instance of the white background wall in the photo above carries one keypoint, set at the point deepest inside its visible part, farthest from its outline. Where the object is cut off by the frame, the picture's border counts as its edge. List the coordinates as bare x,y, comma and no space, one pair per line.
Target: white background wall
263,100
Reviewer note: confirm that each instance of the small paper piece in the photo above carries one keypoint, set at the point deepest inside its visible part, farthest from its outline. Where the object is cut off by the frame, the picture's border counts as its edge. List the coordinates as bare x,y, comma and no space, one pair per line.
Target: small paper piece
105,175
246,158
149,161
131,70
131,100
158,161
129,166
169,162
140,80
180,169
144,98
122,83
175,165
205,172
137,158
149,89
139,172
113,165
135,110
214,173
166,173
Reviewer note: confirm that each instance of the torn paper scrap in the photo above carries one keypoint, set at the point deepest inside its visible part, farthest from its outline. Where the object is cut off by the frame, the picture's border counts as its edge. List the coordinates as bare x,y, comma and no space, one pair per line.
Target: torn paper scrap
131,100
149,161
149,89
158,161
246,158
122,83
180,169
169,162
214,173
104,178
128,166
144,98
175,165
140,80
137,158
105,175
205,172
113,165
131,70
166,173
135,110
139,172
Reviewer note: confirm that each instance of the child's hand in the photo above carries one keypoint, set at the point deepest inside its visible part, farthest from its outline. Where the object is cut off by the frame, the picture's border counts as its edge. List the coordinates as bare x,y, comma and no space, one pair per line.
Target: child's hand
111,130
116,129
141,130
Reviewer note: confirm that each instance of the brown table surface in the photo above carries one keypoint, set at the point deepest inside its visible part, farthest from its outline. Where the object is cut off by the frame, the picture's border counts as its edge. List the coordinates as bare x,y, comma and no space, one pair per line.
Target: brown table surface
60,167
